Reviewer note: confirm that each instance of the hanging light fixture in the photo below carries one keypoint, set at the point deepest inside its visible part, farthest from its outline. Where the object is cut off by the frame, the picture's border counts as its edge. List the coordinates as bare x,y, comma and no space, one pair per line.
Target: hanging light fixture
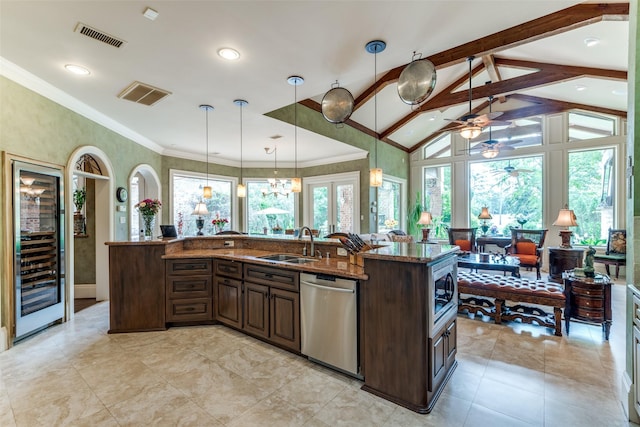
241,189
375,47
207,193
470,130
277,186
296,182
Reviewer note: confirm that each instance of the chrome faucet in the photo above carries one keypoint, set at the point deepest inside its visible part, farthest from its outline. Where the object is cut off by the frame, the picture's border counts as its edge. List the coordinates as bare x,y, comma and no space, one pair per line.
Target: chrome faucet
301,233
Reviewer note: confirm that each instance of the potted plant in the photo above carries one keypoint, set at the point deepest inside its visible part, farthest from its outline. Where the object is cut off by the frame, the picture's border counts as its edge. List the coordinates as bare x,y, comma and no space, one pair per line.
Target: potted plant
79,199
414,216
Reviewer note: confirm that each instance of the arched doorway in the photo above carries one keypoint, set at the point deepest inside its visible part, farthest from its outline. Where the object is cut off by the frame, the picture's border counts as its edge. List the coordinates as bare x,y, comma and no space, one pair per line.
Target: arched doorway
144,183
90,167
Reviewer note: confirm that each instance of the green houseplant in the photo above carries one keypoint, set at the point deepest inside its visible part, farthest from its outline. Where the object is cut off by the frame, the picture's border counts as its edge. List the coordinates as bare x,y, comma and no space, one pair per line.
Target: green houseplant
79,198
413,216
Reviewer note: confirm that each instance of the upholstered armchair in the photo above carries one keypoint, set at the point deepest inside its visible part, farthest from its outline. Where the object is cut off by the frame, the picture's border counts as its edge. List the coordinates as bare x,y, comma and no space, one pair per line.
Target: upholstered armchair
463,237
527,246
616,253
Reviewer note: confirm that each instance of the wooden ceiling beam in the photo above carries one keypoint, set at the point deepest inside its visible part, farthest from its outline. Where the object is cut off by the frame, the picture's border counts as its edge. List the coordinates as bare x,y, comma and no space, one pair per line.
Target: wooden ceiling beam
494,74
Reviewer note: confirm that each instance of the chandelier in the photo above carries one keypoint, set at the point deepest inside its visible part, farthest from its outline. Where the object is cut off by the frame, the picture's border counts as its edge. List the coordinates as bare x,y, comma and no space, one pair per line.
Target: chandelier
277,186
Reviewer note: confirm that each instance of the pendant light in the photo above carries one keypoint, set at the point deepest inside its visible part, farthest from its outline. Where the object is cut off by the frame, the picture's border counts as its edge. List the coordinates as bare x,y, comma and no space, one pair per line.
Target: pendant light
295,81
375,173
241,189
207,193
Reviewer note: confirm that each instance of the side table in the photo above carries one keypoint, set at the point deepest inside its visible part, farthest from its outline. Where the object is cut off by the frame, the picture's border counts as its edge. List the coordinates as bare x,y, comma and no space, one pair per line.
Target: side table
563,259
588,300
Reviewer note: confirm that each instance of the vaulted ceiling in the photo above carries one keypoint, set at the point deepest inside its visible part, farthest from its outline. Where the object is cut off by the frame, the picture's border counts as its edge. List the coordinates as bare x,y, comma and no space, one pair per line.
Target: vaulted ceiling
531,56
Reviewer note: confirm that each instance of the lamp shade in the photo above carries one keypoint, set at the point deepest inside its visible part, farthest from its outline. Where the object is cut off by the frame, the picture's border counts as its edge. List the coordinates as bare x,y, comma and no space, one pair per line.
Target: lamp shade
470,132
425,219
375,177
201,209
485,214
566,218
207,192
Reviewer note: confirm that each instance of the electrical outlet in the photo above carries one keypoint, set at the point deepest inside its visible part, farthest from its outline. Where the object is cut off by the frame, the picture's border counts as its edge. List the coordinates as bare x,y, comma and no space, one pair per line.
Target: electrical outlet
228,243
342,252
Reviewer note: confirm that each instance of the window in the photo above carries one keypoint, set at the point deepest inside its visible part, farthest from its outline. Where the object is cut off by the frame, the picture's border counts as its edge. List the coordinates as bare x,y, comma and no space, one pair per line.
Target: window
272,213
589,126
592,194
511,189
439,147
186,192
437,195
390,202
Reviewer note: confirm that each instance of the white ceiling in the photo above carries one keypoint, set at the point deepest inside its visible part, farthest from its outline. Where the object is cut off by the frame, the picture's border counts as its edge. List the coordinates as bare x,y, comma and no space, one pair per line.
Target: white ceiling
322,41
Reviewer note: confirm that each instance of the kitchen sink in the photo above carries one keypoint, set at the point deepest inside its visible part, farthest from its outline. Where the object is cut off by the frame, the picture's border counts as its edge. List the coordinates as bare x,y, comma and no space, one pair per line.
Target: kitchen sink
294,259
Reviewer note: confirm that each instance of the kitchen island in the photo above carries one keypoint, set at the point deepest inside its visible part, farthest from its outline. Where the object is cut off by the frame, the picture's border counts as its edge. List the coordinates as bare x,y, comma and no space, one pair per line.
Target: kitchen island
226,279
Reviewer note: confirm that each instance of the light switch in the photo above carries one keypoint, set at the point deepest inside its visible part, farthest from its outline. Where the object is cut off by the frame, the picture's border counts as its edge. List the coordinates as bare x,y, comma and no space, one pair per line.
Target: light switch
123,220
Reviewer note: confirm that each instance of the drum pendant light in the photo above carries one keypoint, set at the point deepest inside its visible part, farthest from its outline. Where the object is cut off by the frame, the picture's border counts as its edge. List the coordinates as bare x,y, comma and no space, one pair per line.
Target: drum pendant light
375,173
241,189
207,192
296,181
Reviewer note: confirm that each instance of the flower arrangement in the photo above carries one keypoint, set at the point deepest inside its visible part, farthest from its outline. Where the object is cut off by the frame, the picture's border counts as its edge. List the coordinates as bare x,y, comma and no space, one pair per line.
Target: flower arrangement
180,223
148,207
390,223
219,222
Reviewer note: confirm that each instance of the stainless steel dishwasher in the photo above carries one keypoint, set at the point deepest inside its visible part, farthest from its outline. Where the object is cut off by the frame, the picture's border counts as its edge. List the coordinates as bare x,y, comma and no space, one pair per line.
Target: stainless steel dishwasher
329,321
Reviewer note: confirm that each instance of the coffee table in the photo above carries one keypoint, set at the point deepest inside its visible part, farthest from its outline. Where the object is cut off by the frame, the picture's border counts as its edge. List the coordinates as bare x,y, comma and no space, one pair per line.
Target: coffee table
506,264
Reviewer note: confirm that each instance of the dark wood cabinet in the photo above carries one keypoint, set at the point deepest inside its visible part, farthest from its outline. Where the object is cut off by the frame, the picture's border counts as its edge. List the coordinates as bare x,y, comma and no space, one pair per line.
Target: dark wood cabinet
228,292
136,288
443,348
272,305
563,259
189,290
588,300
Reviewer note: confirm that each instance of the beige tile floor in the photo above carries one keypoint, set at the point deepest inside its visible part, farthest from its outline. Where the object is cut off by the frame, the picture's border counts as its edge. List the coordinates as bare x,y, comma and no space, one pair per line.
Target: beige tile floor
508,375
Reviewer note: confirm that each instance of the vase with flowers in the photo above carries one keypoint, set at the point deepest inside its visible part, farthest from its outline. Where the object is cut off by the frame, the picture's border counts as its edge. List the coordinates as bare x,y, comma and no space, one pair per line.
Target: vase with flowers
148,208
219,223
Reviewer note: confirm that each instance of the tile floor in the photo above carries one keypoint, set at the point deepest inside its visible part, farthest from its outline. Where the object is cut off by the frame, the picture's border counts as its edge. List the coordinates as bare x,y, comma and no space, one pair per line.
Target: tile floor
508,375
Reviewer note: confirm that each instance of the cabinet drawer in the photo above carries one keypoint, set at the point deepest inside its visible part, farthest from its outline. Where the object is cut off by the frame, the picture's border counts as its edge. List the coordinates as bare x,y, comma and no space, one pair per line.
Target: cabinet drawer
188,310
590,291
590,315
588,302
188,287
188,266
228,268
277,277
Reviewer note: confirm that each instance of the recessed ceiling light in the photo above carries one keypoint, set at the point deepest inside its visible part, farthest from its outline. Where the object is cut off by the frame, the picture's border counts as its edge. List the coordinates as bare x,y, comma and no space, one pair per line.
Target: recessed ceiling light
150,14
580,88
77,69
432,118
229,54
591,41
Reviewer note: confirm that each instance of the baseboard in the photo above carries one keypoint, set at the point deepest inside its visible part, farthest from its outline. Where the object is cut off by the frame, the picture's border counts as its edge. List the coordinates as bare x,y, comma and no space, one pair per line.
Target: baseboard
87,290
628,404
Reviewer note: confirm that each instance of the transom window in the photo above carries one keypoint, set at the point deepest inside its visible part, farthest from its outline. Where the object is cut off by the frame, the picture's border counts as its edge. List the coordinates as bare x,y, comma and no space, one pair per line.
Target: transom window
589,126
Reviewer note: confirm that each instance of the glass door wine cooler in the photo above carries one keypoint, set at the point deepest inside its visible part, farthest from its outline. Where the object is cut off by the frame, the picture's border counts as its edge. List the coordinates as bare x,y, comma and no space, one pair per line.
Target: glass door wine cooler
39,247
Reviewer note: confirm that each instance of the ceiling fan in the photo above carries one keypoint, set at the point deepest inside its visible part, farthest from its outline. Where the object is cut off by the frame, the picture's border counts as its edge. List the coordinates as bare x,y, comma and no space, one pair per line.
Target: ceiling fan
491,147
511,171
471,124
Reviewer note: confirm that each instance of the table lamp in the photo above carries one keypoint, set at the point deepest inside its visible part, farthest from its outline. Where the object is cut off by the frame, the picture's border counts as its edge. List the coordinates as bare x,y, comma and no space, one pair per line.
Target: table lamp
200,210
566,218
425,220
484,216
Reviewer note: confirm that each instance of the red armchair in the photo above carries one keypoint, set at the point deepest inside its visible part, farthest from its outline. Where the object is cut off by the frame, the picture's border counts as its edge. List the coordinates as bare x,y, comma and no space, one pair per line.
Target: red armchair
527,246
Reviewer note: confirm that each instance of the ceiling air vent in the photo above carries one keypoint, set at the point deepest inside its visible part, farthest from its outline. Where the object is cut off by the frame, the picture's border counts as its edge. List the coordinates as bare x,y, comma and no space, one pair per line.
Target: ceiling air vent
101,36
142,93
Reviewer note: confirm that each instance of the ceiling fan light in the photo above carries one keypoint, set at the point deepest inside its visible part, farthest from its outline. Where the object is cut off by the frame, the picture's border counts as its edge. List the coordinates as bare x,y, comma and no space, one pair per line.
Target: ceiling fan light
375,177
296,185
470,132
490,153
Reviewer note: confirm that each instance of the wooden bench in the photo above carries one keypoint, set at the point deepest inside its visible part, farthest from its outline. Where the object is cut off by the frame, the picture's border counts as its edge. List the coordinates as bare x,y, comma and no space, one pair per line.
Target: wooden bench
513,289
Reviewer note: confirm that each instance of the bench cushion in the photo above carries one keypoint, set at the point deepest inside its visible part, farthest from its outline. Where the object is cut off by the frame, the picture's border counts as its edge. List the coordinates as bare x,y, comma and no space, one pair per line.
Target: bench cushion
514,286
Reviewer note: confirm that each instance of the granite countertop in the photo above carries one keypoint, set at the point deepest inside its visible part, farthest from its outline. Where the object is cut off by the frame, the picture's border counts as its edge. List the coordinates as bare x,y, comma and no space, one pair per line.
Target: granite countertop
410,252
337,266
